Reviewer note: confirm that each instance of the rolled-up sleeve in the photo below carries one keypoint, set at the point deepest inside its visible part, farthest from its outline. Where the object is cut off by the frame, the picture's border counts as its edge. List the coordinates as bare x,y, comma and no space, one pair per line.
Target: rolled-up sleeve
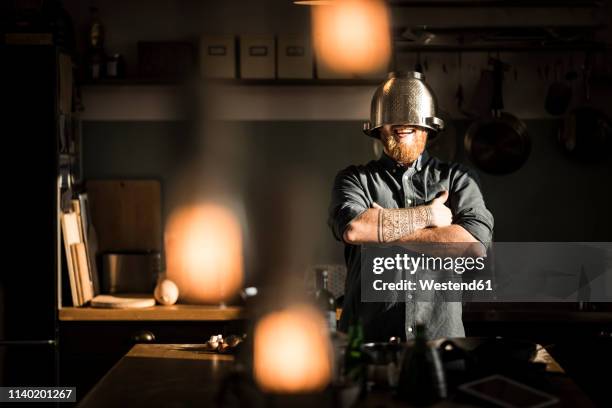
348,200
468,207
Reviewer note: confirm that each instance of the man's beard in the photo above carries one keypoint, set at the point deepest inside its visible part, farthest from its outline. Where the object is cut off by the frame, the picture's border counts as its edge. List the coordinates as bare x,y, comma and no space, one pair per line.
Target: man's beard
405,152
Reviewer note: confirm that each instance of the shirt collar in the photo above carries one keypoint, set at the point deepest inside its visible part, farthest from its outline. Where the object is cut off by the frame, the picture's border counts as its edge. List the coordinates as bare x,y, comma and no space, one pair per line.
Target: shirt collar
391,164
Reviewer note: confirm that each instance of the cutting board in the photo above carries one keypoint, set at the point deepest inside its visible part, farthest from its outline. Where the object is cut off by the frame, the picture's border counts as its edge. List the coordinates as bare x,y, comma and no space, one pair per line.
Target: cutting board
72,236
126,214
122,301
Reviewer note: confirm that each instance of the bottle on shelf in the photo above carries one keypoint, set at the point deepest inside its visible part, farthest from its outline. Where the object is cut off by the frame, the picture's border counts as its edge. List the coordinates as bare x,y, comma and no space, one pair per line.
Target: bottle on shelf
97,58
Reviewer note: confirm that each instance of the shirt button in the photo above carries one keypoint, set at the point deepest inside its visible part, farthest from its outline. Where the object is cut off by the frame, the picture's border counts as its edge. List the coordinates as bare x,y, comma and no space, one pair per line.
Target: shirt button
409,296
410,329
409,201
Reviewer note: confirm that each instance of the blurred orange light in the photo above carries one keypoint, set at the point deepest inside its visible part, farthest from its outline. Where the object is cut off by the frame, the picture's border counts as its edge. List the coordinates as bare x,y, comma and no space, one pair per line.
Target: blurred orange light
313,2
352,36
292,351
204,253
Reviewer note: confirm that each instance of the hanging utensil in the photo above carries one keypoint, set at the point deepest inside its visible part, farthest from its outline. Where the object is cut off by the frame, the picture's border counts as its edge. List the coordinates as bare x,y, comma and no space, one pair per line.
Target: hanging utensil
559,94
482,98
586,132
498,144
459,94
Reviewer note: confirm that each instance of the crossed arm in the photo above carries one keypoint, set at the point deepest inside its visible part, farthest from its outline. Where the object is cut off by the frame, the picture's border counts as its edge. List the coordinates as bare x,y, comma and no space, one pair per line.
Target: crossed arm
431,223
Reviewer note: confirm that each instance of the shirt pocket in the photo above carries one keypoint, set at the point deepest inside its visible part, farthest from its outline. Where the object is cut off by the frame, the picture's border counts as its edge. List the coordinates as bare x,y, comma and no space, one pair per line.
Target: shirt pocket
434,188
384,198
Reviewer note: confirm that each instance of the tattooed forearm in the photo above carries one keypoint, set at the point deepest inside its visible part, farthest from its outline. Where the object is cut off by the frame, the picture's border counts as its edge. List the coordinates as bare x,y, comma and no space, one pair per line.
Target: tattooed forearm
396,223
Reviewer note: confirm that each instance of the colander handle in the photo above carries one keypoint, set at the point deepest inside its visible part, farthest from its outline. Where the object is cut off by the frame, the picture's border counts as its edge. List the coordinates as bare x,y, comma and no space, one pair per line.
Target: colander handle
436,123
367,127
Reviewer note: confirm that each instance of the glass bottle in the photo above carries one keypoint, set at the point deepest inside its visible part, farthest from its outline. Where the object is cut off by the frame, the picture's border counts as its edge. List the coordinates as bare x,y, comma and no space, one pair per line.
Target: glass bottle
97,58
326,301
421,381
354,363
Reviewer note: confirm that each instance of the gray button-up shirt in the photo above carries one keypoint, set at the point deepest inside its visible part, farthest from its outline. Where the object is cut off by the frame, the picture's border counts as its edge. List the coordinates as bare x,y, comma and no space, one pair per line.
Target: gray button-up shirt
391,185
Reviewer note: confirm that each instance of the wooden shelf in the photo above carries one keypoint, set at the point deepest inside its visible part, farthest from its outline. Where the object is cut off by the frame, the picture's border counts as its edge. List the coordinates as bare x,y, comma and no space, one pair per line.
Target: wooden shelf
492,46
155,313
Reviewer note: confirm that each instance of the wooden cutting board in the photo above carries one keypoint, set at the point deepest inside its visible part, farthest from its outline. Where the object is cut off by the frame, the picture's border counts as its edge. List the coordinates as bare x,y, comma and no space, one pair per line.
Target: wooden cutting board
126,214
122,301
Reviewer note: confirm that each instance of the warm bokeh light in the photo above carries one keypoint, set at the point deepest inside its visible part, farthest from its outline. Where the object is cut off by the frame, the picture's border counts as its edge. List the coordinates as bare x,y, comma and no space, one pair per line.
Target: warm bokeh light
313,2
352,36
204,253
292,351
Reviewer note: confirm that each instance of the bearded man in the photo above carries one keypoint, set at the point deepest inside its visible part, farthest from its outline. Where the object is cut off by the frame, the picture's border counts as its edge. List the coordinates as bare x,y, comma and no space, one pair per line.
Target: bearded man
406,196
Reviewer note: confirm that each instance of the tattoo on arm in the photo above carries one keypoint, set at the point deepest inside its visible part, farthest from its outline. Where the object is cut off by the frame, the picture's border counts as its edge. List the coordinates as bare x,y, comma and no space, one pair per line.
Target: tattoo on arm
398,222
380,222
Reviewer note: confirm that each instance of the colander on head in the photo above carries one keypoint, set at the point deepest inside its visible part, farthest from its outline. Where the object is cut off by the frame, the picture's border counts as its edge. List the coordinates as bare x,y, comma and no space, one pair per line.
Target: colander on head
403,99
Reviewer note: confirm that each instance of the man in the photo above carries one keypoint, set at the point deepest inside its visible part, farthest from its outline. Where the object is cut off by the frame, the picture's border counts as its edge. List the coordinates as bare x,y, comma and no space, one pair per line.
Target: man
404,197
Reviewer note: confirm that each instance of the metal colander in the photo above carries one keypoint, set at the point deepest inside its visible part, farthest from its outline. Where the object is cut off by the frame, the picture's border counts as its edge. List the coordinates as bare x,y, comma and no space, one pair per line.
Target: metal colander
403,99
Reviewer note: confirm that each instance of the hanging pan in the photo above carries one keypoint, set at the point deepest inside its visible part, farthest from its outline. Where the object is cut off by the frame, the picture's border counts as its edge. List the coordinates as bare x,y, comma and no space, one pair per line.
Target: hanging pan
498,144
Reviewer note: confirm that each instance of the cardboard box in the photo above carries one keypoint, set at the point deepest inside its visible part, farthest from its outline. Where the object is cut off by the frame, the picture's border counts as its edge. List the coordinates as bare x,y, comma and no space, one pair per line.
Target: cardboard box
294,57
218,56
257,57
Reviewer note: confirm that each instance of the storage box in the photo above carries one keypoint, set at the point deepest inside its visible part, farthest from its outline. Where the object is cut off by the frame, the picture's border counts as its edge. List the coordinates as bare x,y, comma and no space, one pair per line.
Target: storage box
294,57
257,56
218,56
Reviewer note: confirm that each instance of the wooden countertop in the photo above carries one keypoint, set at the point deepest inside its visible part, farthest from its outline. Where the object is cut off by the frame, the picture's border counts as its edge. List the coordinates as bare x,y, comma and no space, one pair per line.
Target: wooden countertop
217,313
159,375
174,312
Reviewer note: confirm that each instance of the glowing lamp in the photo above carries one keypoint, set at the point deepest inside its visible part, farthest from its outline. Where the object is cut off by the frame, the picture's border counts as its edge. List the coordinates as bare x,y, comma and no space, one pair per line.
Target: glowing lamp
204,253
292,351
352,36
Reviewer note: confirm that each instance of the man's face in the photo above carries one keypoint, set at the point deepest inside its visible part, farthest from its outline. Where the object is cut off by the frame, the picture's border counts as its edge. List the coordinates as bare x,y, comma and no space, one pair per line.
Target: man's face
404,144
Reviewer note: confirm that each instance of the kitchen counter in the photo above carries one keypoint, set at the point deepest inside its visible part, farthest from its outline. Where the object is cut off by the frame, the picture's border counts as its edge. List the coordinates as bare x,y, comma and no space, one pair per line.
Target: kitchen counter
155,313
162,375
